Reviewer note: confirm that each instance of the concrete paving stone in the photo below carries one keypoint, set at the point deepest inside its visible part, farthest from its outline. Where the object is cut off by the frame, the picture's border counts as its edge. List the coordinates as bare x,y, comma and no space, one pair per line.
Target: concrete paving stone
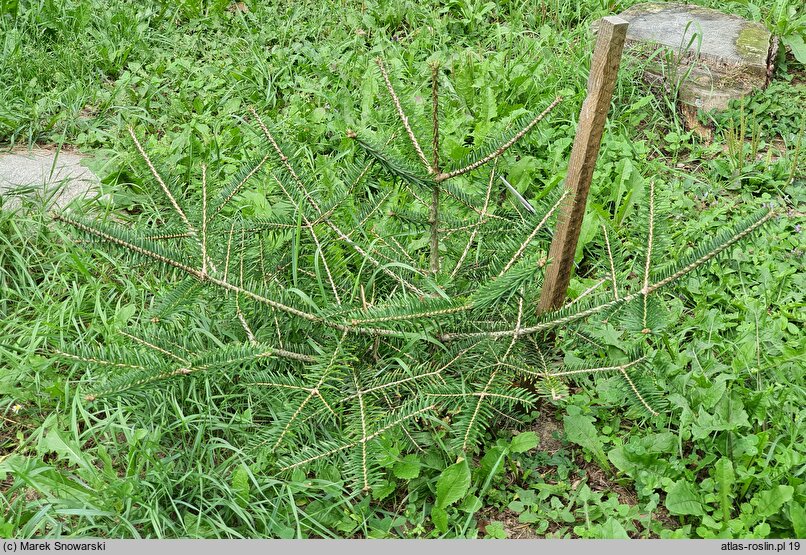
52,177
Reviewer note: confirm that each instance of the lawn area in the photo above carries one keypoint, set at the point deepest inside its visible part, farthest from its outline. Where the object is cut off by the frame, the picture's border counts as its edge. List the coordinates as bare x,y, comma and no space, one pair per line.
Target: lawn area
316,375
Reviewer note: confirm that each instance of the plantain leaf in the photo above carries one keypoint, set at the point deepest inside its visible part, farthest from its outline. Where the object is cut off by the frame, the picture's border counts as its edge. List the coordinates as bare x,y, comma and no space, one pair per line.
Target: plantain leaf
797,513
579,429
725,480
769,502
682,499
453,484
408,468
523,442
440,519
613,530
240,485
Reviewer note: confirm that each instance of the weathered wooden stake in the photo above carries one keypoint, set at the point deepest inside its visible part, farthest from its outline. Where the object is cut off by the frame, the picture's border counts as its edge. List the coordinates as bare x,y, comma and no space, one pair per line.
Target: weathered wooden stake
592,117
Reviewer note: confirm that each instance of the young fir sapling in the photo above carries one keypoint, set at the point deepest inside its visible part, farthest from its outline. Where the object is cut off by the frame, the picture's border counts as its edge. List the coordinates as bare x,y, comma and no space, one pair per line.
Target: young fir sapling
411,315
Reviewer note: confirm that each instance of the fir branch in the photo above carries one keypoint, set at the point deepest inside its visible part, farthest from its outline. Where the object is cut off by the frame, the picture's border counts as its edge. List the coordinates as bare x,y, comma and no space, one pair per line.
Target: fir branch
500,150
396,248
479,401
650,238
463,198
241,318
239,181
181,295
354,182
397,383
481,219
229,248
417,219
588,291
162,184
433,217
362,252
637,393
402,115
369,258
314,392
363,419
155,252
472,226
349,193
396,313
566,316
138,380
617,368
534,233
167,236
260,225
230,355
204,221
517,329
710,251
396,166
309,226
292,383
413,193
501,289
612,263
155,347
480,395
375,206
284,160
393,422
98,360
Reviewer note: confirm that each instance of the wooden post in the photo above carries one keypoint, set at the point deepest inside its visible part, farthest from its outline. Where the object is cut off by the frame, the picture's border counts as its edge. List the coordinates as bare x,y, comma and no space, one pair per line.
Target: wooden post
592,117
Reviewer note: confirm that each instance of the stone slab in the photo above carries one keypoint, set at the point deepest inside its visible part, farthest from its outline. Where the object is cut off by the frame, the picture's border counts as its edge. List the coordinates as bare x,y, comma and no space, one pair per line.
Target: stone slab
727,59
52,177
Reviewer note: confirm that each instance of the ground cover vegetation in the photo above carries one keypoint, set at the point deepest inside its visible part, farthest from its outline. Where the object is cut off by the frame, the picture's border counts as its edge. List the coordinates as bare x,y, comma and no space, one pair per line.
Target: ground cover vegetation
305,308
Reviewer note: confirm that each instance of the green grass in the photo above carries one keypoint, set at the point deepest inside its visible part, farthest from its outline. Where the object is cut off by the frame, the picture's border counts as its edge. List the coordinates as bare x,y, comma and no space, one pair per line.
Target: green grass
726,458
